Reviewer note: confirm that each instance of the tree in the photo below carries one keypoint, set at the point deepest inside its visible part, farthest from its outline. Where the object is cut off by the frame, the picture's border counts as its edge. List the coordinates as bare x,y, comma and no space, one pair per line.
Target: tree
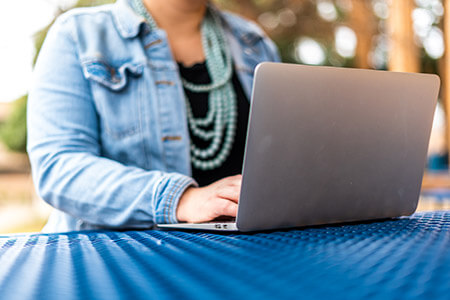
364,23
404,54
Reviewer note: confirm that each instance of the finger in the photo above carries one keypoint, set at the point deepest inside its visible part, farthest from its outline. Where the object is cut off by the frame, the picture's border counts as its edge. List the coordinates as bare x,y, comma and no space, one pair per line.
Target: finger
232,180
237,180
222,207
225,181
230,193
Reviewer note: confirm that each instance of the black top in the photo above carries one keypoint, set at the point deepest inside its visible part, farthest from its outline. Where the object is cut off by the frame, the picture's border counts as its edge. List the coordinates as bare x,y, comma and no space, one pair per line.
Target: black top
198,73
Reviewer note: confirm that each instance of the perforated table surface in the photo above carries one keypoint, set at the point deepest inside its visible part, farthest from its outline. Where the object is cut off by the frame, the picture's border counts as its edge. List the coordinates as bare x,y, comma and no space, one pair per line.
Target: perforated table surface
406,258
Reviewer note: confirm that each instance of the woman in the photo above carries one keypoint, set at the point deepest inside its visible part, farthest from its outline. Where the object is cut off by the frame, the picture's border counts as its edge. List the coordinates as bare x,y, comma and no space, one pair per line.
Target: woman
138,113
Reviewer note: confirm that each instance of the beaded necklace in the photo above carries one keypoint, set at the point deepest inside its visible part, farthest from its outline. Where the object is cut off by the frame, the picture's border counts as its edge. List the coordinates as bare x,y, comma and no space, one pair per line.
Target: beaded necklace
222,107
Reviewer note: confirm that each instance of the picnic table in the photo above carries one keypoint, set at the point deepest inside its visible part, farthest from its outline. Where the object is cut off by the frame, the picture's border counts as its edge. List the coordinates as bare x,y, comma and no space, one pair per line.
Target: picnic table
404,258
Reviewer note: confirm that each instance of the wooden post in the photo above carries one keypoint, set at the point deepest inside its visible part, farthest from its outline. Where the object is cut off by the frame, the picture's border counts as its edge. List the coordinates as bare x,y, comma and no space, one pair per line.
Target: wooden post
363,22
445,72
403,51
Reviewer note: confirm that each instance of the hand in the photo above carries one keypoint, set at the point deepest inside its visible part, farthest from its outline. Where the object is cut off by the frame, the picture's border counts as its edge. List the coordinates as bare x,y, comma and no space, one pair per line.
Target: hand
204,204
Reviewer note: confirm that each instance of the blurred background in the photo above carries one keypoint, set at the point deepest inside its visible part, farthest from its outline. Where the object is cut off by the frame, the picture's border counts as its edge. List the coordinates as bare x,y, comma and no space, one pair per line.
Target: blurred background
398,35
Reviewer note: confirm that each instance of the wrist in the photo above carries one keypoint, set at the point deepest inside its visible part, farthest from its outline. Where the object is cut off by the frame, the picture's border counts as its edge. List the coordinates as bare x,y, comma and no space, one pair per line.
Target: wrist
183,204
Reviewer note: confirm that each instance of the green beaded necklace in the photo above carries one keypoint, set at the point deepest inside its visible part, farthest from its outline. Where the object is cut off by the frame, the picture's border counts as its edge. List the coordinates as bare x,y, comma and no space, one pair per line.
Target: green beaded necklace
222,107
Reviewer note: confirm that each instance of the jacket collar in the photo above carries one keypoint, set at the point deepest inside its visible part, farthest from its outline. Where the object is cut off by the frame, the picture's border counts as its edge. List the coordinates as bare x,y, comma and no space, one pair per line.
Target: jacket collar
129,23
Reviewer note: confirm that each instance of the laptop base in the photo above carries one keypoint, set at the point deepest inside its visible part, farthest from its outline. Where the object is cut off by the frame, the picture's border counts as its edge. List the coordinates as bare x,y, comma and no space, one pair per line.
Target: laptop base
216,226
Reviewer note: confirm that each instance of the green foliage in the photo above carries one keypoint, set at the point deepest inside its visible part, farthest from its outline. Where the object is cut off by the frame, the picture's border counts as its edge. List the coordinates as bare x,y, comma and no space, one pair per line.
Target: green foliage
13,132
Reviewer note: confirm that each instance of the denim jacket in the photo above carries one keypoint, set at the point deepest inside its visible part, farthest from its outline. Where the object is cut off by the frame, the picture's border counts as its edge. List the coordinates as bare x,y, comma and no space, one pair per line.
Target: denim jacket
107,131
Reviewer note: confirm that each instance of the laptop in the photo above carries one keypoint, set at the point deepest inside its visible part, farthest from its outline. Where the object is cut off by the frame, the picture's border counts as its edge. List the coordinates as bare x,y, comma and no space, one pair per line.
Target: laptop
328,145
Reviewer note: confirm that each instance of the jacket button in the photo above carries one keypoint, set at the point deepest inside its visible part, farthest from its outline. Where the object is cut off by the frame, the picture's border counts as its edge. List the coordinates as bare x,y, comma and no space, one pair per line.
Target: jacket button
164,82
153,43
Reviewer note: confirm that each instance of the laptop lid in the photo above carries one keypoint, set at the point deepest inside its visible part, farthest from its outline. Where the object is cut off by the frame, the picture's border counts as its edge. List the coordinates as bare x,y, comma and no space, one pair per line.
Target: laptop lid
330,145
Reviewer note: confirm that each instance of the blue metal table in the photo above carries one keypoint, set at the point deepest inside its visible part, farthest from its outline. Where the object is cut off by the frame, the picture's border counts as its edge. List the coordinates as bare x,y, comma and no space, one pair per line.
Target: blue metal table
406,258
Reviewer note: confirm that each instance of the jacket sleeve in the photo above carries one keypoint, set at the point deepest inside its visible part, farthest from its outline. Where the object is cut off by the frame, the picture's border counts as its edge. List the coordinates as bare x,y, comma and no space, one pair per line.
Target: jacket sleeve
64,149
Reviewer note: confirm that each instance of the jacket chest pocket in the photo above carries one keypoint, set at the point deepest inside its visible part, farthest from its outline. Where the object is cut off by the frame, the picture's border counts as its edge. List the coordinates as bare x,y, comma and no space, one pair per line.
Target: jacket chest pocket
116,94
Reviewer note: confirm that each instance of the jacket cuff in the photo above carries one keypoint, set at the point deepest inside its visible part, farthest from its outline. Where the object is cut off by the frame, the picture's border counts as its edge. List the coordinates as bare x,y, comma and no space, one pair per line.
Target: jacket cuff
167,196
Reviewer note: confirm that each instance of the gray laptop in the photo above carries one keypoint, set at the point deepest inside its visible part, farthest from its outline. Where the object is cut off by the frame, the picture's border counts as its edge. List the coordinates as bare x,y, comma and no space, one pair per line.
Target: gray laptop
328,145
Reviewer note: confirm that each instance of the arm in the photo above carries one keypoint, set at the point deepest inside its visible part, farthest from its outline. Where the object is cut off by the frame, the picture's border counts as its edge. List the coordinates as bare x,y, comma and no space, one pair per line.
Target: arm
64,149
